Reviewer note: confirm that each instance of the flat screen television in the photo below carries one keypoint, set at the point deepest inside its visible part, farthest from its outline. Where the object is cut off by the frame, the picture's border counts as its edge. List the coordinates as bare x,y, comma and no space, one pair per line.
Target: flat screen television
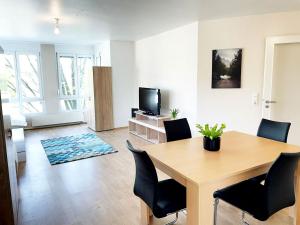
149,100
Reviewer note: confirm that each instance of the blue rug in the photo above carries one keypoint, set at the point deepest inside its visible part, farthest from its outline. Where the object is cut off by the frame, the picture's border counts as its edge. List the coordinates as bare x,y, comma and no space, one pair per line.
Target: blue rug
71,148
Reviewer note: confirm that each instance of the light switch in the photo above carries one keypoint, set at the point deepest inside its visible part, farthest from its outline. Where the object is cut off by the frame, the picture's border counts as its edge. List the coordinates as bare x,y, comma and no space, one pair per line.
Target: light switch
254,99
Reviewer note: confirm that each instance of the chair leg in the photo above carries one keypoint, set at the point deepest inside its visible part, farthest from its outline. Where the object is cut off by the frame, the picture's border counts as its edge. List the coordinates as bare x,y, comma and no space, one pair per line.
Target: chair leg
216,210
174,221
243,219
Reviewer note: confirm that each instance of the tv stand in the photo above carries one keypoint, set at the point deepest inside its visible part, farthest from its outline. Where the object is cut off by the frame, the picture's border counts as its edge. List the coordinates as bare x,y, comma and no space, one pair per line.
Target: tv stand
148,127
148,113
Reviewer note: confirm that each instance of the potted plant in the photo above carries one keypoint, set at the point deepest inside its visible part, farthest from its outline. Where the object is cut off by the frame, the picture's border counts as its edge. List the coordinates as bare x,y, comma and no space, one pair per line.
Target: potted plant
211,136
174,113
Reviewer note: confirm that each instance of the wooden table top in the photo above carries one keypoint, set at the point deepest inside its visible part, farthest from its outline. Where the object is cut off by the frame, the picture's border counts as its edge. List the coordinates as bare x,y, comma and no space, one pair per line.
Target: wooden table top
239,153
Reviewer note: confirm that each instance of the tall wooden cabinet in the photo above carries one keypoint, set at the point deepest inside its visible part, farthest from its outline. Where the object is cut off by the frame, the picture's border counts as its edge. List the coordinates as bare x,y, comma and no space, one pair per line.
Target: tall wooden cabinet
99,111
9,196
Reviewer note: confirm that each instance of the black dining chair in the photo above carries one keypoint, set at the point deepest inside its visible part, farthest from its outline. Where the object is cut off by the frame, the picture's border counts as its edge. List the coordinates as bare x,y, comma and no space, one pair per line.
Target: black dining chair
274,130
163,197
177,129
263,200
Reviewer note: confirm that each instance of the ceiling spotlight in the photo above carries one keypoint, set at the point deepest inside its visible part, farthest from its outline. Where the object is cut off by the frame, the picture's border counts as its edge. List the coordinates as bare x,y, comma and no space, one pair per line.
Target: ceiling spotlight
56,26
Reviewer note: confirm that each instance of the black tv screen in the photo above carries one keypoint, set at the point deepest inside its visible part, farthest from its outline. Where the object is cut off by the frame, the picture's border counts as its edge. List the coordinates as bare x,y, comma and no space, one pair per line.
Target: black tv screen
149,100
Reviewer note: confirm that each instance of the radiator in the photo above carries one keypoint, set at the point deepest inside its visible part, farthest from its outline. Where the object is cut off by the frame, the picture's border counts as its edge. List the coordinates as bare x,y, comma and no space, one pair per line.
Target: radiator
59,118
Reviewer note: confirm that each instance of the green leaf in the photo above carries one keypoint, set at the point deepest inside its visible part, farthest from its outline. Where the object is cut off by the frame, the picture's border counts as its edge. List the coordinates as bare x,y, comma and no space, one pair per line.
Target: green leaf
211,132
174,113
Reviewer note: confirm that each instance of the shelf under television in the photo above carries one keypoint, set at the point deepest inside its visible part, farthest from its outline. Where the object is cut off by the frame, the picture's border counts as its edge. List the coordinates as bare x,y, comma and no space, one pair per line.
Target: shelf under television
148,127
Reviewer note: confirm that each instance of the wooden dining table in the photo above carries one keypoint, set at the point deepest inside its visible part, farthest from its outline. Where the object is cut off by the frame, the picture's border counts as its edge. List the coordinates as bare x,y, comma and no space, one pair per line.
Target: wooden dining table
202,172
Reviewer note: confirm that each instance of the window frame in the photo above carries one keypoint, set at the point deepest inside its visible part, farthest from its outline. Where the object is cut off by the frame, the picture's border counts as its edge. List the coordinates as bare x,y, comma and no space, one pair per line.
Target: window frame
41,83
40,76
19,99
77,96
16,99
59,72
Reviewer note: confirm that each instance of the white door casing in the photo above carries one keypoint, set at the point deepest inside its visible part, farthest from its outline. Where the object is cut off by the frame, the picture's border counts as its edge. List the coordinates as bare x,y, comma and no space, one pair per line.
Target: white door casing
271,42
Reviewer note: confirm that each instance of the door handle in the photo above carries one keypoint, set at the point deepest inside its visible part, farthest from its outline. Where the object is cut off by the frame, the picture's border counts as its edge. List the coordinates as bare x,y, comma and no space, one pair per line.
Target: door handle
270,102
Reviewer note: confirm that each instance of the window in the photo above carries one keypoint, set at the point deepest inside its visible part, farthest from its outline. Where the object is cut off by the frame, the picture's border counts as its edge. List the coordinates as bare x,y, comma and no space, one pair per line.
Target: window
29,76
73,80
8,82
67,76
20,82
32,107
30,83
84,68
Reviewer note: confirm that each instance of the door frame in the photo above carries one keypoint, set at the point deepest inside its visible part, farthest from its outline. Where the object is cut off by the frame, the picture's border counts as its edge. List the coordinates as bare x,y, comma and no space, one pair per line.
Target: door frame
271,42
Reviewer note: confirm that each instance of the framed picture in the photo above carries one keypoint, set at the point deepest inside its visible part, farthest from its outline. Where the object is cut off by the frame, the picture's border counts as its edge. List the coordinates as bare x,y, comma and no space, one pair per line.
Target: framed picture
226,68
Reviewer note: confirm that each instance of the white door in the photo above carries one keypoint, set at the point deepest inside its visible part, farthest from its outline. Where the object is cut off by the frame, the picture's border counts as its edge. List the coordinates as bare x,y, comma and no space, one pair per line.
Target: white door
282,89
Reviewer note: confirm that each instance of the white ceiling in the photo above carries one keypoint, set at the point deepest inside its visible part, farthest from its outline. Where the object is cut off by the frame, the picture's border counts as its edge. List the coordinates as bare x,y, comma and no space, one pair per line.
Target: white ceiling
90,21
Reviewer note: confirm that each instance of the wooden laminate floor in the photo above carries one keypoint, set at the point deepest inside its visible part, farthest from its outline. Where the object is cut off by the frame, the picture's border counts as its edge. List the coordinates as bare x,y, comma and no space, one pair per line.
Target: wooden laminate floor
94,191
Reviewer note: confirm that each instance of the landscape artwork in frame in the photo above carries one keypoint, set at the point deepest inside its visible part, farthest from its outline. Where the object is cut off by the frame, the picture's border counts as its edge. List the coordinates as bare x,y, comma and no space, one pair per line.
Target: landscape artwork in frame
226,68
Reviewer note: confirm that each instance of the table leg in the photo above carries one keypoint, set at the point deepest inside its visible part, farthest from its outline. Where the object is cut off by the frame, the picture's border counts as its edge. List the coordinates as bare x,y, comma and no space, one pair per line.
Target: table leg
297,192
146,213
199,204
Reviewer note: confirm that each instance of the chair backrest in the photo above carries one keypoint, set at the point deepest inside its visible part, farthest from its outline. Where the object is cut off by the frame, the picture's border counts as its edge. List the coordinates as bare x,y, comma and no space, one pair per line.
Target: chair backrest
279,182
274,130
146,177
177,129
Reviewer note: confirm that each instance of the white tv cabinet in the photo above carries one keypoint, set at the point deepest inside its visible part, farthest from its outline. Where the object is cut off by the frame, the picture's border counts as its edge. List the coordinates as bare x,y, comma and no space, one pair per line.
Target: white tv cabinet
150,128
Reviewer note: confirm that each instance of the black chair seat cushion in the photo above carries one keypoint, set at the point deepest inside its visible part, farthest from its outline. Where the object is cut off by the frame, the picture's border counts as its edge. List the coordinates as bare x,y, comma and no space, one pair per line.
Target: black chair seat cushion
171,197
248,196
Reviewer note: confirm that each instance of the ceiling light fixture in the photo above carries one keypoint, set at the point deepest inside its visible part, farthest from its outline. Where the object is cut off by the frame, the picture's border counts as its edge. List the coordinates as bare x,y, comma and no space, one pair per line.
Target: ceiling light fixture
56,26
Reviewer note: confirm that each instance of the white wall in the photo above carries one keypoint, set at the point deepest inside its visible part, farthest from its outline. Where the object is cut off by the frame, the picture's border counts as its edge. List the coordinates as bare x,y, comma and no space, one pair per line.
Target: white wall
10,46
234,106
169,61
102,50
179,63
122,61
74,49
49,71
